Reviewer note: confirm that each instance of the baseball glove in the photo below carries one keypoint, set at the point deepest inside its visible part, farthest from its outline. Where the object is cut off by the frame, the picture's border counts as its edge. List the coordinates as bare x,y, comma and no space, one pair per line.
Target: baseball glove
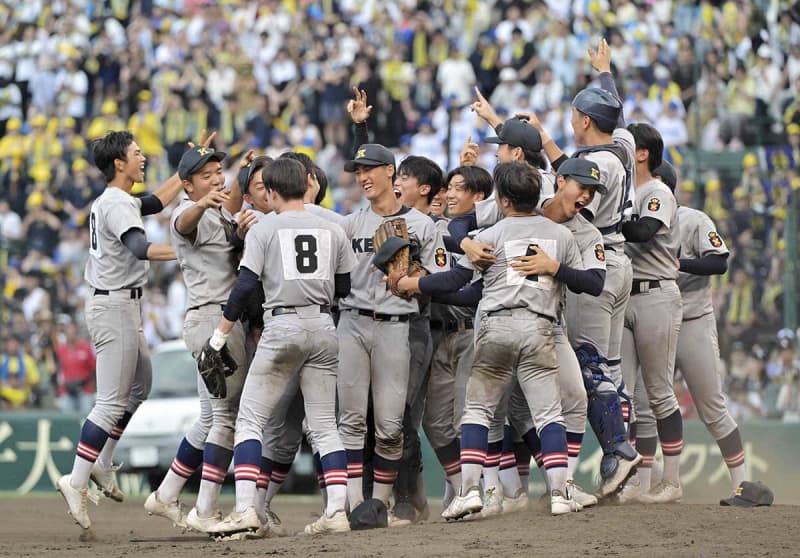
393,254
214,366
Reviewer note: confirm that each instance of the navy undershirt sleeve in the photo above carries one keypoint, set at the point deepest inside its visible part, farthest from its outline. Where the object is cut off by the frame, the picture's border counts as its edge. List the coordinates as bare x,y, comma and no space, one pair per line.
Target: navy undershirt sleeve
589,281
237,300
446,282
459,227
136,241
641,230
712,264
468,296
151,204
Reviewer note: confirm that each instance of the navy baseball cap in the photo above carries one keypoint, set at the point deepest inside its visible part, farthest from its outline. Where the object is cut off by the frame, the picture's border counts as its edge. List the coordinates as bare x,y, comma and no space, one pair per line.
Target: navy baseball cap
584,171
246,173
196,158
749,495
370,155
667,173
517,133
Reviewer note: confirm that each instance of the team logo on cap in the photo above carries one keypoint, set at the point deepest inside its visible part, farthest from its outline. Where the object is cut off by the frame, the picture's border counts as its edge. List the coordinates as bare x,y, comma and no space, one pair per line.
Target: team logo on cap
440,257
595,174
203,150
654,204
714,239
599,253
361,153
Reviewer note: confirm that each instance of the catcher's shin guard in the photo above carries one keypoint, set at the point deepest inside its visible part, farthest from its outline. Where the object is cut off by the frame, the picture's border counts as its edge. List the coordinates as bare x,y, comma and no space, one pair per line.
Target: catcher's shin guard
605,418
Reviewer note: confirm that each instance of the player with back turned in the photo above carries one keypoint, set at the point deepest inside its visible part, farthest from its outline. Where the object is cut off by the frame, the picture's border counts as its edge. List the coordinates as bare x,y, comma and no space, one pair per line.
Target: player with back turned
117,271
302,262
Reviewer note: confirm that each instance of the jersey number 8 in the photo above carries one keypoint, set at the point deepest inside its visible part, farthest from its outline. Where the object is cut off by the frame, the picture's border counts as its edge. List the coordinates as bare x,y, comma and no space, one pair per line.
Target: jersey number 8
305,247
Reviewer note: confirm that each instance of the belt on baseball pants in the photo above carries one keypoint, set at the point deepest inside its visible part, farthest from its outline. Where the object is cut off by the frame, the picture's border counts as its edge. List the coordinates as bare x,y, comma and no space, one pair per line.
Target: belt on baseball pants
136,292
642,286
518,312
199,306
281,310
382,317
451,326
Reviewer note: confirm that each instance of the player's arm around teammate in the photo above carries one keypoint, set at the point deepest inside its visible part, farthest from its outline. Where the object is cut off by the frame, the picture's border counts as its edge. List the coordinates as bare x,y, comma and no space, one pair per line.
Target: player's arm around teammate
298,345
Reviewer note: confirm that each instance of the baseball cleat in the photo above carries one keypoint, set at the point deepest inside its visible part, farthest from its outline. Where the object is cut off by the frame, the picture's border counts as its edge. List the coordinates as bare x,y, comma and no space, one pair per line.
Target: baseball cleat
624,469
104,479
664,492
560,504
631,492
449,494
77,500
171,510
236,522
274,523
464,505
492,502
337,523
580,495
516,504
397,521
202,524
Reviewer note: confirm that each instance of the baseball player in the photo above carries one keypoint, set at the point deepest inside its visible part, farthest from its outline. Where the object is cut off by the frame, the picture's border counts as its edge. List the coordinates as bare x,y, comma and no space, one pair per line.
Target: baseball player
207,243
653,315
452,328
515,334
418,179
576,184
596,323
373,328
116,271
302,261
703,253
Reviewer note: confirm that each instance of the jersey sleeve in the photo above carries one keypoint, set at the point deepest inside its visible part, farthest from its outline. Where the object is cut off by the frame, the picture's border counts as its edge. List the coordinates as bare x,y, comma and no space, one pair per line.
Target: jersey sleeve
255,249
484,236
708,239
658,204
433,254
593,254
593,205
122,217
345,258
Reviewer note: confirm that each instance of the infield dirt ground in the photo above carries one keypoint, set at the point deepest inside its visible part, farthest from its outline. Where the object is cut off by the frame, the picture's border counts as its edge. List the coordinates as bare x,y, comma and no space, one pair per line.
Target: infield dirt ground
39,526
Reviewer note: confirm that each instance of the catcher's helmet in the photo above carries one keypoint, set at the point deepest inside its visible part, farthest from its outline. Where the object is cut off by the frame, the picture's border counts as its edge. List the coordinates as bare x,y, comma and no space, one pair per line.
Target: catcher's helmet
600,105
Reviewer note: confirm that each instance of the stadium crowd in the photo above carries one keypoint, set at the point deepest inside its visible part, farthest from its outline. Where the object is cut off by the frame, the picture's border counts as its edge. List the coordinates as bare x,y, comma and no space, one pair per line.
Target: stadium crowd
275,75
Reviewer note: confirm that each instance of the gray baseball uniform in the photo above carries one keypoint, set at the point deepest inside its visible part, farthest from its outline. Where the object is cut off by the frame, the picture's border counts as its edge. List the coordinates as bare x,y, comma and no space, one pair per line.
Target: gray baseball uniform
516,330
697,354
654,310
374,354
487,212
599,320
113,313
205,260
296,255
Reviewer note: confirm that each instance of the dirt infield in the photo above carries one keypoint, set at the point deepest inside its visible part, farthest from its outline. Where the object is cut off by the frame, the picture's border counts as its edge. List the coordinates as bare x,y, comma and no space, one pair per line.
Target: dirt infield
39,526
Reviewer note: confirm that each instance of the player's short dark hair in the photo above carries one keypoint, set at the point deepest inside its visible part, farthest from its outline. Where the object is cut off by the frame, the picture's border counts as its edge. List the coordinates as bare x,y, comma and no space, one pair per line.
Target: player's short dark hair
647,137
476,179
519,183
534,158
302,158
425,171
107,149
287,177
322,179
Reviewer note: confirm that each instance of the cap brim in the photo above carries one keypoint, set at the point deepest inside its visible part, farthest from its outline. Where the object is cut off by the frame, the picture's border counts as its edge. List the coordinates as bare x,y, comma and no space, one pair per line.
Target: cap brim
589,182
737,501
350,166
217,156
494,139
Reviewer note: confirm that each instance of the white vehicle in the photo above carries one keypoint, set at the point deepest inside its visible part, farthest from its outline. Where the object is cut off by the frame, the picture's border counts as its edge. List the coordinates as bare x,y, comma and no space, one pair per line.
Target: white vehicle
156,429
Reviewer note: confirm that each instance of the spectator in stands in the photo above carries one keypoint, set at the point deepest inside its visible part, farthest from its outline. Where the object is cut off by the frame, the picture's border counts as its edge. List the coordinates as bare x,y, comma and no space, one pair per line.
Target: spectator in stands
18,374
76,364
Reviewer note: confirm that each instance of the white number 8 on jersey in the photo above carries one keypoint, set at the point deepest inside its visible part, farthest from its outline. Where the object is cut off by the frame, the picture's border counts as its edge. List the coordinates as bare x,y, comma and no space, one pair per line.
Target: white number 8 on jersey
305,253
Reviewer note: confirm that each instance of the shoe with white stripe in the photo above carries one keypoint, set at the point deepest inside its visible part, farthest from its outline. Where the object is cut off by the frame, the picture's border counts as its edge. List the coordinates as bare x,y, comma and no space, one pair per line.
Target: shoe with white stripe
516,504
171,510
664,492
492,502
580,495
202,524
561,504
276,528
77,501
236,522
104,479
463,505
337,523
